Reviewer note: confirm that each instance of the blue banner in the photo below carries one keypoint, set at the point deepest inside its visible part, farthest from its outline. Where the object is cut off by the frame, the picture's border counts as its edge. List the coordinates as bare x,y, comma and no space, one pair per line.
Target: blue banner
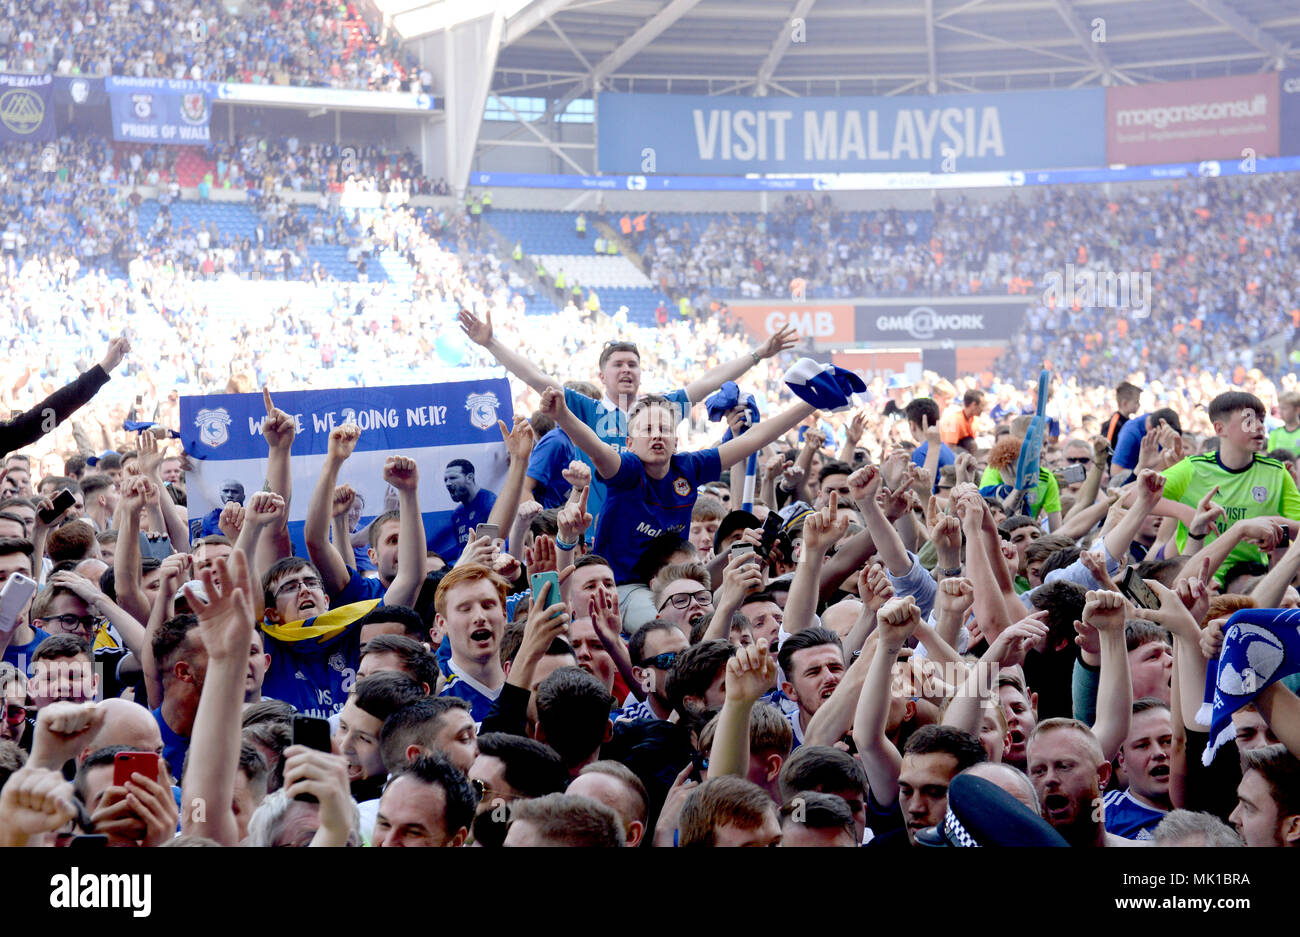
26,108
160,110
1289,127
430,423
669,133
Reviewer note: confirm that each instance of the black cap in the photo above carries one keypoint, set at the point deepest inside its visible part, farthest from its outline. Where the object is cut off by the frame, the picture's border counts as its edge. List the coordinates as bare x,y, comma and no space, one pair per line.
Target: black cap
982,814
734,521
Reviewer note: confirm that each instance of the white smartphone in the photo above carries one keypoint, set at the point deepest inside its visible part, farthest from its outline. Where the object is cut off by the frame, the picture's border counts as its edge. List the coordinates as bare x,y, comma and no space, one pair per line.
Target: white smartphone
17,592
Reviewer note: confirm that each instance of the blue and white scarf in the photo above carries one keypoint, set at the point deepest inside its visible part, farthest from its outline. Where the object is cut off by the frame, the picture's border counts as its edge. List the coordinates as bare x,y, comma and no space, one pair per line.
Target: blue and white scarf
1260,647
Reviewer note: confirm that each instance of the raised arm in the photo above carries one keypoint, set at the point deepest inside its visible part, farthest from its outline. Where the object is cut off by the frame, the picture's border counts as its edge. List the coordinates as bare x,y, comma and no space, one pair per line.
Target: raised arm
896,622
714,378
264,513
1181,611
992,601
316,529
1281,710
966,711
402,474
751,672
602,455
765,433
279,428
853,435
864,484
480,333
173,519
226,625
1147,495
344,496
602,607
821,530
1104,611
519,443
741,576
172,574
31,425
126,555
1269,591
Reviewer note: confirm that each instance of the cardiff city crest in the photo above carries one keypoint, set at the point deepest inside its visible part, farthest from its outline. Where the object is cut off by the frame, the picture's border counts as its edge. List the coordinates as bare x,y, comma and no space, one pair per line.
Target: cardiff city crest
213,426
482,409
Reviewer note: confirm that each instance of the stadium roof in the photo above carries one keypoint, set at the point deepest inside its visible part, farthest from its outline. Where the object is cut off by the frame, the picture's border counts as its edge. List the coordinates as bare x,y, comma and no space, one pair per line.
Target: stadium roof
568,47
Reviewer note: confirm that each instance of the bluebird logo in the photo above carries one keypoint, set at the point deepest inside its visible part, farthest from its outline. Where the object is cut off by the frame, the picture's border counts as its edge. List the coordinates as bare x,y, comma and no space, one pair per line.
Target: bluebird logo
213,426
482,409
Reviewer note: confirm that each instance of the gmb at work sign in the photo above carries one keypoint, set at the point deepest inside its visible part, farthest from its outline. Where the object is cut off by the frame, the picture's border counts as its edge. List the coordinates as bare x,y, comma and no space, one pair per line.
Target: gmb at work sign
433,424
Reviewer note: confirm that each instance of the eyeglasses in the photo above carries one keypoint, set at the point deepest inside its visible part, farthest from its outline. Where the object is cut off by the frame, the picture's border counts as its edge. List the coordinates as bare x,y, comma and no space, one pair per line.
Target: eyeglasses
661,661
72,623
683,599
292,586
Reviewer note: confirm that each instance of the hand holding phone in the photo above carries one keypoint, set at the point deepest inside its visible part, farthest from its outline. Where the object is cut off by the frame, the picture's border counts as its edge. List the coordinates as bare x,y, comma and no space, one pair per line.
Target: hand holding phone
17,592
1137,591
542,585
62,501
313,733
126,764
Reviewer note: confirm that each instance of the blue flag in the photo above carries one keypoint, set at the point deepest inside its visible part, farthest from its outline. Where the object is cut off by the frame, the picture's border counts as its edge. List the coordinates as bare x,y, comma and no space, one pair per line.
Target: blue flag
1260,647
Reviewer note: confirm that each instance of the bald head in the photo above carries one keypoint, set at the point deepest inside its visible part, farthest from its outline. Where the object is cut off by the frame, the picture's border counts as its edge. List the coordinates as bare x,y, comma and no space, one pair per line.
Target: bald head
1012,780
126,723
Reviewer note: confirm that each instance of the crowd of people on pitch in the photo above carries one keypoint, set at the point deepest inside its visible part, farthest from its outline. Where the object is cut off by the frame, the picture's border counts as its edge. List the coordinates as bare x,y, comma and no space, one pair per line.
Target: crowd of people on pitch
318,43
896,637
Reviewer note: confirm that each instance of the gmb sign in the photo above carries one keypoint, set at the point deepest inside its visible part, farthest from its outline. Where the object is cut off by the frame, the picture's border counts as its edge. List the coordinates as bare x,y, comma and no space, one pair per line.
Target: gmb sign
938,319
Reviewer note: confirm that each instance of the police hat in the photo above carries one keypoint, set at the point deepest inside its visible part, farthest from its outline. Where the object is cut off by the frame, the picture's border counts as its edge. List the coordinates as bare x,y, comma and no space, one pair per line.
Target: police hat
982,814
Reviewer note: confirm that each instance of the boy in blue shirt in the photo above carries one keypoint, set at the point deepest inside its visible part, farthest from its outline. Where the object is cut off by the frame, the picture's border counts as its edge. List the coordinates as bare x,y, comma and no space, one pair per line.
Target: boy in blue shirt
620,375
651,488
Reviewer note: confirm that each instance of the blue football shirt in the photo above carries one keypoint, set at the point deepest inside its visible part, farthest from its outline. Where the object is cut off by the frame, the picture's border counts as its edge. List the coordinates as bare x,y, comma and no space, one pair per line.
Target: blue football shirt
610,424
639,508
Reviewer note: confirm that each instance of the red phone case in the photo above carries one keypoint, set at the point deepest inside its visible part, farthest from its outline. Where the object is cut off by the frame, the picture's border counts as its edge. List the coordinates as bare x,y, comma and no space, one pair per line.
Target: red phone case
126,764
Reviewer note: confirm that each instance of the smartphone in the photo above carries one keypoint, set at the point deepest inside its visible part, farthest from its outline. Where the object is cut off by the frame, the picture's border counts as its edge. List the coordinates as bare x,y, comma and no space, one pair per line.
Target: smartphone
1073,474
312,732
1286,536
740,548
88,841
541,584
62,501
126,764
17,592
491,531
1137,591
771,527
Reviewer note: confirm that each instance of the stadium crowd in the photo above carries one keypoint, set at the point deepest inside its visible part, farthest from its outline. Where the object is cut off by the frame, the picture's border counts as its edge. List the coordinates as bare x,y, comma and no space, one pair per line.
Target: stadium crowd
1217,250
899,644
284,42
